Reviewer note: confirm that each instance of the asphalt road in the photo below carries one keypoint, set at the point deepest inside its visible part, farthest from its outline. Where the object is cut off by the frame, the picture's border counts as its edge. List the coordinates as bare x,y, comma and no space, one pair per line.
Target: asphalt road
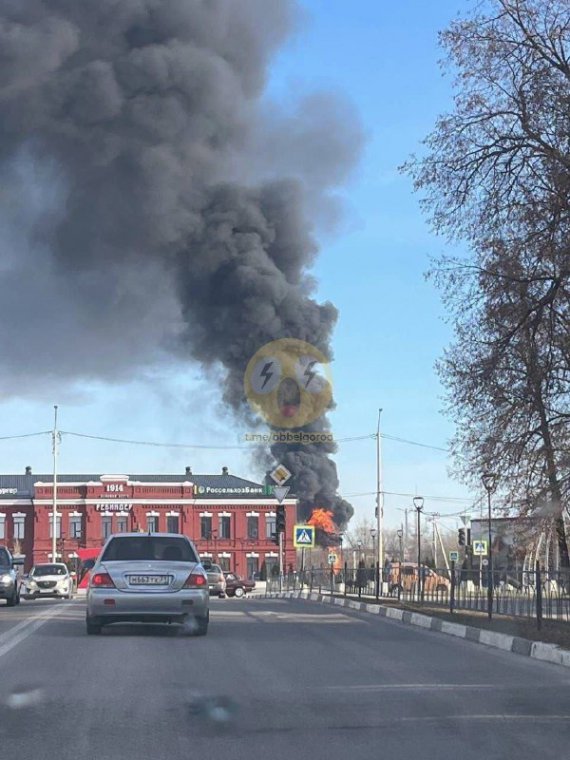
273,679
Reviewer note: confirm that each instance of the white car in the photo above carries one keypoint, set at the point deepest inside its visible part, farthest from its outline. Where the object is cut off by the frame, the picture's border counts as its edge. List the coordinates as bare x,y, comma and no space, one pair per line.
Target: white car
49,580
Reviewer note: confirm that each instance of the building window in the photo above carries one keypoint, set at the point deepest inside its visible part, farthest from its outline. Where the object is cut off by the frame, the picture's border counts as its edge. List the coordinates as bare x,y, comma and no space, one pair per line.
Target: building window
107,526
224,563
272,566
2,526
75,526
253,527
57,526
19,527
122,524
172,524
152,523
270,526
206,527
252,566
225,527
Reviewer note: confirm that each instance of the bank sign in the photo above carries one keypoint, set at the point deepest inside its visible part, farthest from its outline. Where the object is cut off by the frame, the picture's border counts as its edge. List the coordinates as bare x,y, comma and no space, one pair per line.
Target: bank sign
238,491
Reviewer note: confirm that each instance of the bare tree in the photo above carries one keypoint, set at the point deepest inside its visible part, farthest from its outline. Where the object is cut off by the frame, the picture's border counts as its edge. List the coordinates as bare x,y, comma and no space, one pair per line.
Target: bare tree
496,174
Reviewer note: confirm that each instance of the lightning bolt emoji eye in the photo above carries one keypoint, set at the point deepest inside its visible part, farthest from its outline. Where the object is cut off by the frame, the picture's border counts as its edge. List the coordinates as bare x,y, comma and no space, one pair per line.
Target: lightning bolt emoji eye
266,375
308,373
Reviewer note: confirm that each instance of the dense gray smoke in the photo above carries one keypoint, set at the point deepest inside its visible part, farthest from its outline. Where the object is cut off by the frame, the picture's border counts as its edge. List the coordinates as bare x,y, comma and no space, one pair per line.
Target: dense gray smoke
154,201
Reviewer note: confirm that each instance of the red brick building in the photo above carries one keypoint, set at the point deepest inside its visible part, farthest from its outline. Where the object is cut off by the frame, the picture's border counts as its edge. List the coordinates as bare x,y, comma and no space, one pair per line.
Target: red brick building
231,520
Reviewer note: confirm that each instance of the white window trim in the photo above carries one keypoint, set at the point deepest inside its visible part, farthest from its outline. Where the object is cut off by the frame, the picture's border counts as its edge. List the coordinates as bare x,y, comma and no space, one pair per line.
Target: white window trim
271,554
57,554
106,514
252,514
206,554
19,514
57,514
252,554
225,555
271,514
224,514
173,514
206,514
122,514
153,514
75,514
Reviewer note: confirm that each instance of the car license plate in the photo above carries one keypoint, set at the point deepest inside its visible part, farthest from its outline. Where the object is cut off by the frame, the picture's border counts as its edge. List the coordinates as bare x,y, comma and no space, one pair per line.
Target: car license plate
148,580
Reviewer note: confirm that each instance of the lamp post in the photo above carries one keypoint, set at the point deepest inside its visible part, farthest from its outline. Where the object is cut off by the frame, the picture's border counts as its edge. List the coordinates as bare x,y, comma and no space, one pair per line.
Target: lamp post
400,534
419,505
373,534
55,451
489,482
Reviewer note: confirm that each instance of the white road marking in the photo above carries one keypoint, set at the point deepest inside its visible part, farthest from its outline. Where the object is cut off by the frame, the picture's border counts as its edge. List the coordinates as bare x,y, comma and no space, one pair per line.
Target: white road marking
431,686
18,633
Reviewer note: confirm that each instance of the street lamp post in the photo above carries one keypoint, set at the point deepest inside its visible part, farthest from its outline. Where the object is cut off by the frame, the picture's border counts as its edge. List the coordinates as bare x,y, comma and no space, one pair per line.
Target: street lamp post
419,505
489,483
373,534
375,572
55,451
400,535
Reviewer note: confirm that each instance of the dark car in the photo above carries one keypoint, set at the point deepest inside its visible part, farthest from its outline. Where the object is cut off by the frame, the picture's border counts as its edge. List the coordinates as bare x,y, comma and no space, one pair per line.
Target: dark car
9,579
237,586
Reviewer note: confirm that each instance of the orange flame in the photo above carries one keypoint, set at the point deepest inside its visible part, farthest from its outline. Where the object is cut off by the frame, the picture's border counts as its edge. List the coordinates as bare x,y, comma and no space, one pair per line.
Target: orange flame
323,520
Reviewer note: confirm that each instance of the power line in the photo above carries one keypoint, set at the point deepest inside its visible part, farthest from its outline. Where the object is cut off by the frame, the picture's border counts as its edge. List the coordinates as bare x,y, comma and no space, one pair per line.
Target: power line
149,443
413,443
450,499
24,435
161,444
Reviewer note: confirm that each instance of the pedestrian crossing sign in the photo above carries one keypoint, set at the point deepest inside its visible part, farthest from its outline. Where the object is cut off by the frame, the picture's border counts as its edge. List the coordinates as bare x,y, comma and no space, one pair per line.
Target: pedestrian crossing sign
304,536
479,548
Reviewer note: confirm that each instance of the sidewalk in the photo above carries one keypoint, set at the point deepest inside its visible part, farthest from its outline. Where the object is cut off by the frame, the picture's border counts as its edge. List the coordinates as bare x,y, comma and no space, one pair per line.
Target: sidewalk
477,627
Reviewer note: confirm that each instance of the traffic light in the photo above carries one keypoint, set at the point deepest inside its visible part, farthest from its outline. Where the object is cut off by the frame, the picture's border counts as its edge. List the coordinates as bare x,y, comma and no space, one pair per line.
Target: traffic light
275,538
280,521
461,537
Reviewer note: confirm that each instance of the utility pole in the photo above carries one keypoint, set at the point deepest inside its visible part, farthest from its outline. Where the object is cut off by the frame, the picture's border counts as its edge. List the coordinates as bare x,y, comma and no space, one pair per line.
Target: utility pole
55,450
442,548
406,534
434,534
379,500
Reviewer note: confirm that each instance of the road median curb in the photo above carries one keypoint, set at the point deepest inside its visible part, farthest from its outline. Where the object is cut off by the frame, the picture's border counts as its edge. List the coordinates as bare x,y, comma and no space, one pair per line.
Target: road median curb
538,650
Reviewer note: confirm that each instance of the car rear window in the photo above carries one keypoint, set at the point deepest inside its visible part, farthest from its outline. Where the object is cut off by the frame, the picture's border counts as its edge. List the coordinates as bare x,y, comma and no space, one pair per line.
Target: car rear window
4,558
133,548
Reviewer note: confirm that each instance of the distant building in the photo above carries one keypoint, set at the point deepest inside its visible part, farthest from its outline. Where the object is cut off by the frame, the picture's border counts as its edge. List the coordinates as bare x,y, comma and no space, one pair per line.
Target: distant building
231,520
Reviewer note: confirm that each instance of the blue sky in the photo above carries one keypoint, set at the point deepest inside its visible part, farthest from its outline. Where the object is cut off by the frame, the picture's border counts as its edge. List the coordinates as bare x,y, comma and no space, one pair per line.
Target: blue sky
383,57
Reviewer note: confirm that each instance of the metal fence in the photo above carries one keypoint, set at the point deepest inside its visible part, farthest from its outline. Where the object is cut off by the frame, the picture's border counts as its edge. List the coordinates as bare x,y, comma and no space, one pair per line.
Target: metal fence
536,594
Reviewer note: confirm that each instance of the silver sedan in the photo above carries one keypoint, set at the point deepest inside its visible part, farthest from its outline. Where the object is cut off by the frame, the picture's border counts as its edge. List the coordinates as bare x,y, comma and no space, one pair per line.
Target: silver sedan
155,577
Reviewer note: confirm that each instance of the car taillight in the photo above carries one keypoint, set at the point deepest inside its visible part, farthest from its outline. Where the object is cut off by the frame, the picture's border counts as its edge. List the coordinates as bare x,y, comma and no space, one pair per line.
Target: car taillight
196,580
102,580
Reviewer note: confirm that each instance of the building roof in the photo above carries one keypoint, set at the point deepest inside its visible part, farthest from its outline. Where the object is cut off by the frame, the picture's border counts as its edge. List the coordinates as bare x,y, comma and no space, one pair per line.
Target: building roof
22,486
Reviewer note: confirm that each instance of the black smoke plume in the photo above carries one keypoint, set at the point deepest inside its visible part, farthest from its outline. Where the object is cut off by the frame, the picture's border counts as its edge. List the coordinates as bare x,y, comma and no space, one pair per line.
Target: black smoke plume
154,200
